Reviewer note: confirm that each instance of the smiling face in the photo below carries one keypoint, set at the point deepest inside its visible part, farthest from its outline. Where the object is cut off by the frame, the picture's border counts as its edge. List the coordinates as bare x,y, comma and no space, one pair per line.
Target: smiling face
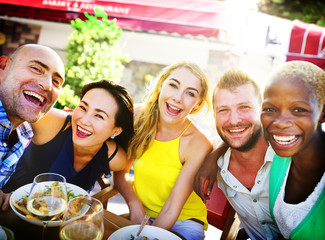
237,116
179,95
289,116
30,84
93,120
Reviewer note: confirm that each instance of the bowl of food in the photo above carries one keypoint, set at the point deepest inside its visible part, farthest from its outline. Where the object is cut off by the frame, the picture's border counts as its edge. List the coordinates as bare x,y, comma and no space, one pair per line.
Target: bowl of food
18,203
148,233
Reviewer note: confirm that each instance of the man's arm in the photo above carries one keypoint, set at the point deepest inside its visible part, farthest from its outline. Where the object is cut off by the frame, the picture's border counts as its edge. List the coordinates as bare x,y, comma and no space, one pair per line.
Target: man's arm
207,174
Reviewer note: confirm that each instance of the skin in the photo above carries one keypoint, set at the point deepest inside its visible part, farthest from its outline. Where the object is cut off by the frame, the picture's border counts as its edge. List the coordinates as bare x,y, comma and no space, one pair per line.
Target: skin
180,94
292,118
237,119
36,70
93,122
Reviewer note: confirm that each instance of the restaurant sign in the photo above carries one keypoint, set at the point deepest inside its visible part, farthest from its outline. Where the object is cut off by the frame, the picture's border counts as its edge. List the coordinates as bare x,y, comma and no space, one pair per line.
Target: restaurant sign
73,6
195,17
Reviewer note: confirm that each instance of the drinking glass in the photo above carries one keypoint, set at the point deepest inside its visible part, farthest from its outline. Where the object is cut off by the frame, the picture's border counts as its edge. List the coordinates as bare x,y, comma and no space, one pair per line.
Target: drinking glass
83,220
48,196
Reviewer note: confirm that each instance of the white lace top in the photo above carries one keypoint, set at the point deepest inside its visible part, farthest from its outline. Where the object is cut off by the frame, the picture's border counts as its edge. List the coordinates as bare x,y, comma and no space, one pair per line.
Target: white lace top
288,216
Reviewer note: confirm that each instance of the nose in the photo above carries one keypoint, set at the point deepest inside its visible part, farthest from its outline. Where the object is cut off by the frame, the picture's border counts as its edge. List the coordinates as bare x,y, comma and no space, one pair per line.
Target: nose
234,118
178,96
46,83
282,121
85,119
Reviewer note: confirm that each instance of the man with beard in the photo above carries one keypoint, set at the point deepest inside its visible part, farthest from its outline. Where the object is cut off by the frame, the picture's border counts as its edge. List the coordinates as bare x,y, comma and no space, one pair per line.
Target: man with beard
243,170
30,83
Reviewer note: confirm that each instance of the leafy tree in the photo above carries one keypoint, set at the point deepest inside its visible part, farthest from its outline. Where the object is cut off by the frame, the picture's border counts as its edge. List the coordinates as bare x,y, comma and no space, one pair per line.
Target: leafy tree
304,10
93,54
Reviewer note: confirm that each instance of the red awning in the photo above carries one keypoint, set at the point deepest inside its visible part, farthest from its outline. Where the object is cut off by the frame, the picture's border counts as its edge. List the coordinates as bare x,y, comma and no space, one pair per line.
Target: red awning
195,17
307,43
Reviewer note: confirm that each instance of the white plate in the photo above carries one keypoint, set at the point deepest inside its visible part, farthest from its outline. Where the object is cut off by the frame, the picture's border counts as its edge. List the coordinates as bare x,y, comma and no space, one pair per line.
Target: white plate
148,231
23,190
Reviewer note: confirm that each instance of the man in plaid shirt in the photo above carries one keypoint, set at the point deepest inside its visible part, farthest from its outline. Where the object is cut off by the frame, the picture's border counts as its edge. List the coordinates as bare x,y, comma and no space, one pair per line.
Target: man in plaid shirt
30,84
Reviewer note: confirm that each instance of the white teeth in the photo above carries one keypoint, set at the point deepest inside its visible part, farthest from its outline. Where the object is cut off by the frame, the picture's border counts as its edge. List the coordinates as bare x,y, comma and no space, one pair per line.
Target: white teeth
284,139
236,130
34,94
84,131
174,108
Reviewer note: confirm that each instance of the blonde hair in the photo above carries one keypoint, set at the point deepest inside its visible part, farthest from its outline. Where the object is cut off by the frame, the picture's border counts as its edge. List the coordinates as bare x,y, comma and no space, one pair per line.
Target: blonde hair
312,75
146,121
234,78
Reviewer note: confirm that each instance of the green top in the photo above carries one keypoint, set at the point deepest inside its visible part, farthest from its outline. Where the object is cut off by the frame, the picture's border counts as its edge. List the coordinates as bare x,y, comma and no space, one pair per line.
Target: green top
313,225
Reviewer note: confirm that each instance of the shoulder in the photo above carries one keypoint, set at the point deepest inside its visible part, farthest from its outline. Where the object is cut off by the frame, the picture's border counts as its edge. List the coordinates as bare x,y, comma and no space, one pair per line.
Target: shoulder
48,126
197,137
118,162
195,143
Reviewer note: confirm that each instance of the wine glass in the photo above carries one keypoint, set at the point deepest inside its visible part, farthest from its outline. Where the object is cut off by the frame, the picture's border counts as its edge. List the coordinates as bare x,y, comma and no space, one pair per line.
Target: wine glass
83,219
48,196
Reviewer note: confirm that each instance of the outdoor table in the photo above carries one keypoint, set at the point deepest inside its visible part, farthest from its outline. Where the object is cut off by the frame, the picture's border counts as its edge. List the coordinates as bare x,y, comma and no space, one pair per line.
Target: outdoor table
24,230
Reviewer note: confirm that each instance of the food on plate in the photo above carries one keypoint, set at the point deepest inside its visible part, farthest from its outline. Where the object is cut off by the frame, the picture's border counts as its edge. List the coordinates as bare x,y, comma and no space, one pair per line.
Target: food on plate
142,238
21,206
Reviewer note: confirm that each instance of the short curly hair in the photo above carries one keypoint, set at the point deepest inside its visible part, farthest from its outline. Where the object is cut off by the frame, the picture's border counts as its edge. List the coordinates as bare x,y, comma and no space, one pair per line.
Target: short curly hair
312,75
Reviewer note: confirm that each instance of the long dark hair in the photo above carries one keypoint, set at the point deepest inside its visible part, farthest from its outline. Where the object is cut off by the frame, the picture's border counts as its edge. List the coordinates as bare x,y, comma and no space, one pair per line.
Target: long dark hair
124,115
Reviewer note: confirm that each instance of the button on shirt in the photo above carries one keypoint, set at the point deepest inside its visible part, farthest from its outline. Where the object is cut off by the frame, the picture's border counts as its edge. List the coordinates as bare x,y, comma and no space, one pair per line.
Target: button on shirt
252,206
10,157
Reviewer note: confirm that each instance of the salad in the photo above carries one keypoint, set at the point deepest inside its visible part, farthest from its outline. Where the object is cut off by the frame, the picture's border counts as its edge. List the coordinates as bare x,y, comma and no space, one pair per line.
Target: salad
21,206
142,238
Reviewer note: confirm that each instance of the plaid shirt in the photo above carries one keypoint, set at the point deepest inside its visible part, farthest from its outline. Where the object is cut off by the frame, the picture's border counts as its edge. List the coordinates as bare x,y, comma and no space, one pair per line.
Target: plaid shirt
9,157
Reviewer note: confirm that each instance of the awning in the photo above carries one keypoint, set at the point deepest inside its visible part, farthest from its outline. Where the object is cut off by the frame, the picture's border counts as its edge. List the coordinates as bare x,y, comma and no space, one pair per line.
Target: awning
194,17
307,43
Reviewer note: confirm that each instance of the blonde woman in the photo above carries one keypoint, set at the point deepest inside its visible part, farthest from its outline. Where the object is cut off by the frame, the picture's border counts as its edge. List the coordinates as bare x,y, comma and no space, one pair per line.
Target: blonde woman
168,150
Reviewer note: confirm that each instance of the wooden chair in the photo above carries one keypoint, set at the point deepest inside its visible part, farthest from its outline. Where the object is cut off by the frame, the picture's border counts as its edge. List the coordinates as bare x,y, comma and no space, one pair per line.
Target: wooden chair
220,213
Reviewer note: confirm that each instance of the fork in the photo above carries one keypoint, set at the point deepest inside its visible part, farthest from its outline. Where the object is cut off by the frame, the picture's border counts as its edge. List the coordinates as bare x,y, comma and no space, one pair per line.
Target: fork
143,223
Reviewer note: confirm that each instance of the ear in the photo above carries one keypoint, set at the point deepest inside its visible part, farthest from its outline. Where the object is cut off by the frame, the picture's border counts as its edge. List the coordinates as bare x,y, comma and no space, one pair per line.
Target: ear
322,115
3,62
196,107
117,131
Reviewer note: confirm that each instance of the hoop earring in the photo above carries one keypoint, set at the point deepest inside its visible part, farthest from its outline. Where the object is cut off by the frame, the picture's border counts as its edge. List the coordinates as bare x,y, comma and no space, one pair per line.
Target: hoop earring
112,137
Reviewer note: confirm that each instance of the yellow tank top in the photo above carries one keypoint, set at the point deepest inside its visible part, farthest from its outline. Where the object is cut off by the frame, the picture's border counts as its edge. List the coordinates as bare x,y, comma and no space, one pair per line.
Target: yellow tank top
155,174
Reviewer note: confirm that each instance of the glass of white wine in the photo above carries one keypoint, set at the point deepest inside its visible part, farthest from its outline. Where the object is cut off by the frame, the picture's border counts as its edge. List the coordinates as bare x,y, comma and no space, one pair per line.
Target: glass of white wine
48,196
83,220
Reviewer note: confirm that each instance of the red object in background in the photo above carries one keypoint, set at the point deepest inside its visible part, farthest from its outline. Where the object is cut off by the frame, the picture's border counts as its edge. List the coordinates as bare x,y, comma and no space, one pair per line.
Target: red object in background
195,17
307,42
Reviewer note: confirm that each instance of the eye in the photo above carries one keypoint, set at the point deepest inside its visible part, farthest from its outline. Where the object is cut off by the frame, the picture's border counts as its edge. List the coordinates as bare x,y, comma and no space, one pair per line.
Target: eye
173,85
268,109
192,94
57,82
299,110
244,107
222,110
82,107
36,69
99,116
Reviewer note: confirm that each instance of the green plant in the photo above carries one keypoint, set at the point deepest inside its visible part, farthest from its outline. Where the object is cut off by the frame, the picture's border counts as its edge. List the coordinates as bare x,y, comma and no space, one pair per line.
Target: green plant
93,53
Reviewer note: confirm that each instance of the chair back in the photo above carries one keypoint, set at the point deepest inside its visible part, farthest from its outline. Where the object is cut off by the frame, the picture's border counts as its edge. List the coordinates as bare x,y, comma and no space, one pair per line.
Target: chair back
218,208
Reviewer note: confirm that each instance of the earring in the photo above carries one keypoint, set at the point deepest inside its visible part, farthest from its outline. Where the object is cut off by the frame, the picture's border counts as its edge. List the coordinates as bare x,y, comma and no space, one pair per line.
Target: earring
112,137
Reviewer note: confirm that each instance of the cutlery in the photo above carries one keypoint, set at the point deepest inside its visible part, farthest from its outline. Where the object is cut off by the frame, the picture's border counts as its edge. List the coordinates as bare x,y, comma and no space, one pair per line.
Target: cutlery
144,222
